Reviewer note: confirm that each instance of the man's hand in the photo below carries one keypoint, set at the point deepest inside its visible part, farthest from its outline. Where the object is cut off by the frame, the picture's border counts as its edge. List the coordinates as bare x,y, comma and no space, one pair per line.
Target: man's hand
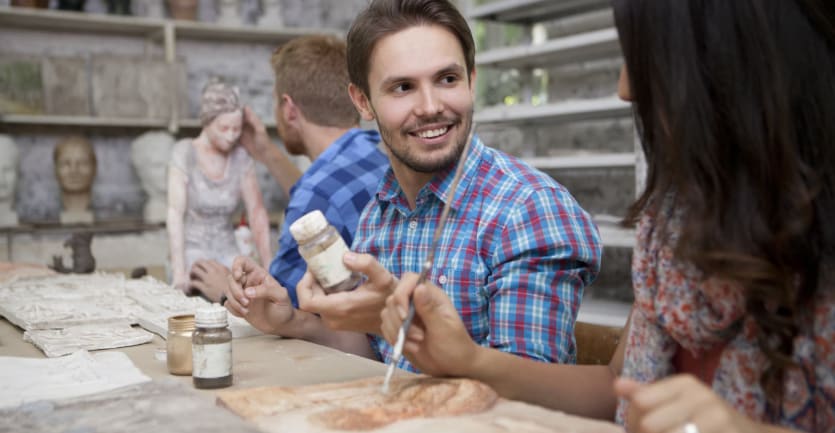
254,137
357,310
252,293
437,341
210,278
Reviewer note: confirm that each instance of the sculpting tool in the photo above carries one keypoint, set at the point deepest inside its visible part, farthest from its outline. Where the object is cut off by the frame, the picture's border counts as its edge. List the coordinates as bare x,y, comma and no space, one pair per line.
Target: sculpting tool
430,259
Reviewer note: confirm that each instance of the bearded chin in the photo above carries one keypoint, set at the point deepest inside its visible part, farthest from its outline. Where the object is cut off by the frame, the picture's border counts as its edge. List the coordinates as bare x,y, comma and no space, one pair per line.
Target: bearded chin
431,166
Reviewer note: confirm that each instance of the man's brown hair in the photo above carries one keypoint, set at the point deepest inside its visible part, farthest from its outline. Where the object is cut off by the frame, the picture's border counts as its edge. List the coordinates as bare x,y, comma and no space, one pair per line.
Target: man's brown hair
385,17
312,71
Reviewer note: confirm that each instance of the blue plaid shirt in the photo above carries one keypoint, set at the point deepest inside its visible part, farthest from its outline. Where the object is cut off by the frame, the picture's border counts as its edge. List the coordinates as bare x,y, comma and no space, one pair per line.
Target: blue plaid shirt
514,257
340,182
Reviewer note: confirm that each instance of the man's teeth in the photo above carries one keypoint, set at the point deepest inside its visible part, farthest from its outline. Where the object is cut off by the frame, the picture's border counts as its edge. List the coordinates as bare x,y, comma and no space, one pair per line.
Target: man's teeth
432,133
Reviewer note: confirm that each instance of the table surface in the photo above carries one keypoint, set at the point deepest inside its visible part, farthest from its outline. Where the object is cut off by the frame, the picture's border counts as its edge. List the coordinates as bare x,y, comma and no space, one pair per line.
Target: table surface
257,361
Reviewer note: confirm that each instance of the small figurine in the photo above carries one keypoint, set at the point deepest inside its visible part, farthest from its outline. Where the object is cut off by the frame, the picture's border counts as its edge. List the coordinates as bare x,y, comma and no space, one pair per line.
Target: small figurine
83,261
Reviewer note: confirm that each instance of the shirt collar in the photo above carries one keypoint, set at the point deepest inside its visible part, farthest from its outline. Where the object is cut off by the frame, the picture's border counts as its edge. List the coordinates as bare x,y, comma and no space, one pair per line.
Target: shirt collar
337,147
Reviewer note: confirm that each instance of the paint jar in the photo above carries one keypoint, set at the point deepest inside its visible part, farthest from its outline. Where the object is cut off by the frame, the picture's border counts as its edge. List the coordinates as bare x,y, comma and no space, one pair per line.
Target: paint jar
178,344
322,249
211,347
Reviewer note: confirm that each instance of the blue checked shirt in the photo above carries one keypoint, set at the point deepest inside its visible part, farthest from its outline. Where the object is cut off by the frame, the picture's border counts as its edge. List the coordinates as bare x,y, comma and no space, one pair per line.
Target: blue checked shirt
340,182
514,257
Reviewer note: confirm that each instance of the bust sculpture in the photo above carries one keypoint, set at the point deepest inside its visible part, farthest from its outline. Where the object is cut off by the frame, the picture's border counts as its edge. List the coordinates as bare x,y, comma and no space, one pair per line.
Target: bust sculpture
150,154
75,168
8,181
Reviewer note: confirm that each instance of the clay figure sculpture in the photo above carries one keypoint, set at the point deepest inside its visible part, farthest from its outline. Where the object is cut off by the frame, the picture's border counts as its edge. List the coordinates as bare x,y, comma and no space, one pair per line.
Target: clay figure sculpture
207,178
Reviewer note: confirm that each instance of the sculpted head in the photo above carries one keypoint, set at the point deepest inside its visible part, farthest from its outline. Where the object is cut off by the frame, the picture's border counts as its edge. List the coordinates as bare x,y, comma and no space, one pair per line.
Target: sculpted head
221,115
150,154
8,168
75,165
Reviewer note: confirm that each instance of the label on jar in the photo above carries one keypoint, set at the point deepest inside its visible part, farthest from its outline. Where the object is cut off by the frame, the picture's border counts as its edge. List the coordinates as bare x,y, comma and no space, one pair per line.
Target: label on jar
211,360
327,266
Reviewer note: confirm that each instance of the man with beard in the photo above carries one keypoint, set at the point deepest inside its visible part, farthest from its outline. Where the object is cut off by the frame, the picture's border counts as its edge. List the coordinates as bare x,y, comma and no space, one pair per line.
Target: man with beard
517,250
315,118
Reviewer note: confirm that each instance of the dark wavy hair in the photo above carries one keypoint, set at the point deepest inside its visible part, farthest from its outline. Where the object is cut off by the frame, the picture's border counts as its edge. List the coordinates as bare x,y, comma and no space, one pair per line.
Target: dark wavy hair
735,105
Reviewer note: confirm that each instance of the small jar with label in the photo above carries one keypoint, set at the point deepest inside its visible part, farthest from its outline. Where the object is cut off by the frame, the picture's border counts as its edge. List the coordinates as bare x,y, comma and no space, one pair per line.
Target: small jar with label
211,347
322,249
178,344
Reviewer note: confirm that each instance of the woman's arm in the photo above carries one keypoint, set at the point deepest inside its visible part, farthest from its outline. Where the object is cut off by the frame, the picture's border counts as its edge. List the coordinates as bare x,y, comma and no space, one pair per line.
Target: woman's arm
258,220
438,344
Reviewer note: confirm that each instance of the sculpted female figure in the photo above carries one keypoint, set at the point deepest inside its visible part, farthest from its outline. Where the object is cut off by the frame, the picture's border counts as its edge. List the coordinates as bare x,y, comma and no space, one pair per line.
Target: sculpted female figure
207,178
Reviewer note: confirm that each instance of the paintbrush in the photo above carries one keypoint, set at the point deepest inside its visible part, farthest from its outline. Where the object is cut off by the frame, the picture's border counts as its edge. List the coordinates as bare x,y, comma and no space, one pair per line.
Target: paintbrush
430,259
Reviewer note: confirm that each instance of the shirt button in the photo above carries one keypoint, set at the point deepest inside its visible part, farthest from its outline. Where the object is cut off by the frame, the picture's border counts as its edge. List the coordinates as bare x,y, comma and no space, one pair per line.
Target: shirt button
412,224
442,279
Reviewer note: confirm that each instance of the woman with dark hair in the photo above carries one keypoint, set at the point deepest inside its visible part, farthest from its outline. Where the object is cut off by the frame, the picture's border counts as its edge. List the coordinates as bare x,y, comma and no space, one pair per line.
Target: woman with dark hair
733,326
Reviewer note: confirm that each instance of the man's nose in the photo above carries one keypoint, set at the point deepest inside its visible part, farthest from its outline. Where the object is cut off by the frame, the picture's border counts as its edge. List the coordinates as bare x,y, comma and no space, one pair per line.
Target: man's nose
430,103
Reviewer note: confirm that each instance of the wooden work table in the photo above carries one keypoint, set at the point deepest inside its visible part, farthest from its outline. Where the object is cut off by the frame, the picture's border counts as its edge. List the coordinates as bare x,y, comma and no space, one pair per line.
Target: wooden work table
257,361
171,404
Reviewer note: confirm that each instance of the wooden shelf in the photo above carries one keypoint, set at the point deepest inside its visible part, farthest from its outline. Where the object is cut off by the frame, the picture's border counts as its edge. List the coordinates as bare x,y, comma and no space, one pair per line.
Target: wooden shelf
570,49
583,160
568,111
107,122
47,19
195,123
531,11
211,31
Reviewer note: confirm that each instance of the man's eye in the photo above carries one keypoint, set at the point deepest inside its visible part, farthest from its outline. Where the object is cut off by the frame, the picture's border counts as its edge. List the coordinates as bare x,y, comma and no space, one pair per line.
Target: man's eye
401,88
449,79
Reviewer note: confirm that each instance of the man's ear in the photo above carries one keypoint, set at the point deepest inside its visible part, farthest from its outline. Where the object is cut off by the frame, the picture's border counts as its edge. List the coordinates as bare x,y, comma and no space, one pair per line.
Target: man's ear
361,102
289,109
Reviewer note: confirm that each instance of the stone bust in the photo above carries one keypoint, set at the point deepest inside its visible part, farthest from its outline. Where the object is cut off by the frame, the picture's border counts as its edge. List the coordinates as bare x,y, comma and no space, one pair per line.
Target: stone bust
150,154
8,181
75,169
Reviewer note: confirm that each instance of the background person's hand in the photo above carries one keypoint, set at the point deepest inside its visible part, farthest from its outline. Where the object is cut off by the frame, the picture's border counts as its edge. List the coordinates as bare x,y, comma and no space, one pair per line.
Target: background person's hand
252,293
254,136
210,278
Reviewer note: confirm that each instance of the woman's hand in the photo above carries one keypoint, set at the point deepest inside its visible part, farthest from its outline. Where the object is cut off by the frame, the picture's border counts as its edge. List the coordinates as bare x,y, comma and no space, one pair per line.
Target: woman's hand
680,404
437,341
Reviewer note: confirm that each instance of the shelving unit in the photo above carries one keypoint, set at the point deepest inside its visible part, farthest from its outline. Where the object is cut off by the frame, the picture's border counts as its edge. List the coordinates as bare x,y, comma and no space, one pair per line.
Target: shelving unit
572,49
531,11
157,32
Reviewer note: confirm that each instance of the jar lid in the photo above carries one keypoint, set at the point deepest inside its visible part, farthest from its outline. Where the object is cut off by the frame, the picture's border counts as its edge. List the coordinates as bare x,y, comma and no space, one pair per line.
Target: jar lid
210,317
308,225
180,323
